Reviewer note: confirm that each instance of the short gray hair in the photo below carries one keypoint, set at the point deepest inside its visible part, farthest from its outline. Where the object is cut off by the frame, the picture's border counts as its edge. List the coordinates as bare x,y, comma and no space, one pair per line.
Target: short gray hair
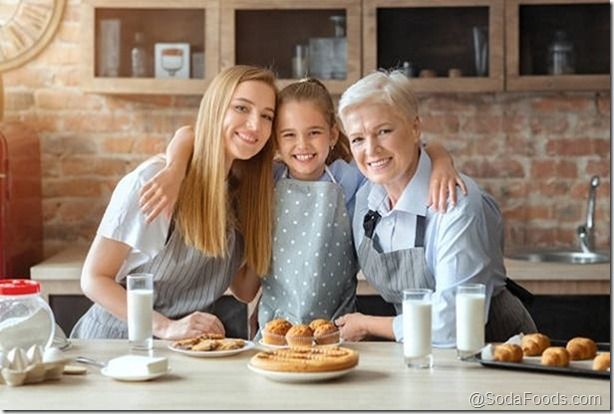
391,88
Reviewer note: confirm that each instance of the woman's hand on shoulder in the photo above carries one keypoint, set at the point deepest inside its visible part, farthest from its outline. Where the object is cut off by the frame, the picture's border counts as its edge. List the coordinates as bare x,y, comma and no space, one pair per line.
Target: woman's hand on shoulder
442,185
190,326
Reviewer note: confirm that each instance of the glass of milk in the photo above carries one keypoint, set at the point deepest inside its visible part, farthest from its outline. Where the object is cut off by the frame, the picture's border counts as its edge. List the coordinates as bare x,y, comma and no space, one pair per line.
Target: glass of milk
417,311
140,311
470,322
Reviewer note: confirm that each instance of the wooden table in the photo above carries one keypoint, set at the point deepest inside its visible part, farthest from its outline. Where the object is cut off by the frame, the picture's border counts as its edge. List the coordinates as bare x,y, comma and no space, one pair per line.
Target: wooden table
380,382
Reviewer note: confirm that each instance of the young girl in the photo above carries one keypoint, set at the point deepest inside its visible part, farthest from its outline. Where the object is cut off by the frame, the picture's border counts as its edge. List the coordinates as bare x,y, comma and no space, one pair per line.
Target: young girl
313,267
222,218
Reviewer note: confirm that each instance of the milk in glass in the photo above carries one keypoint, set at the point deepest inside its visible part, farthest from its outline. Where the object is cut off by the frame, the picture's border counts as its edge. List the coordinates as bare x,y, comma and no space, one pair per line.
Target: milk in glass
470,300
140,311
417,318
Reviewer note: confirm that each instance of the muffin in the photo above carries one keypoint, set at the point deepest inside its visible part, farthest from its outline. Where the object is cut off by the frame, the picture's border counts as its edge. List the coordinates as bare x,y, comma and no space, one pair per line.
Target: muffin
326,334
317,322
274,332
300,335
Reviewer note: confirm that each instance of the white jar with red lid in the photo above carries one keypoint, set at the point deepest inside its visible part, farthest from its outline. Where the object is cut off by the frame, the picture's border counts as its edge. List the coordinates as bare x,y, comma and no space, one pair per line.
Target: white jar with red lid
25,318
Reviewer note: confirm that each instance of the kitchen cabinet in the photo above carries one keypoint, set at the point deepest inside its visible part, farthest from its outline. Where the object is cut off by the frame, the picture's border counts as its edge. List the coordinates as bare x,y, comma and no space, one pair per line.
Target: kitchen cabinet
583,28
451,45
459,46
267,32
107,46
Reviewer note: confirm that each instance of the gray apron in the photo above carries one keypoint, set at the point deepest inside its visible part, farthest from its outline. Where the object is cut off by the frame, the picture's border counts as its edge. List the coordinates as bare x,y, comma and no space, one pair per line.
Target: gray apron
313,268
390,273
185,281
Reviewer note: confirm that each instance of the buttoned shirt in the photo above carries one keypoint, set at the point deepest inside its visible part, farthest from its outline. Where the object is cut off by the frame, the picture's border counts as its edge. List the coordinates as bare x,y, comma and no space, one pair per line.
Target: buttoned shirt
462,245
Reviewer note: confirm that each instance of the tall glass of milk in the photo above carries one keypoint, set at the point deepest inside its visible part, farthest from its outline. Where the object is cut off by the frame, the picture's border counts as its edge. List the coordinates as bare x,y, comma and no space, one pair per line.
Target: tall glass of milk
140,310
470,317
417,310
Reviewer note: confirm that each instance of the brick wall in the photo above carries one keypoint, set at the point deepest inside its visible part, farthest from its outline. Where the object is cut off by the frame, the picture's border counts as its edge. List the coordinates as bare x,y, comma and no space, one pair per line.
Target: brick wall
535,152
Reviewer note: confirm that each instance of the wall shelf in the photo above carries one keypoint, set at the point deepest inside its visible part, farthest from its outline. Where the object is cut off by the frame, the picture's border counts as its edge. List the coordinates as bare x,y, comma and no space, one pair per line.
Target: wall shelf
410,30
266,32
531,27
195,22
437,35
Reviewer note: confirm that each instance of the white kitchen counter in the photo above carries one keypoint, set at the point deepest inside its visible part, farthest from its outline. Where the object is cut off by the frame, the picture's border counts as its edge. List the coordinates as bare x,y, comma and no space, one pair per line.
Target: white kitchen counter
59,275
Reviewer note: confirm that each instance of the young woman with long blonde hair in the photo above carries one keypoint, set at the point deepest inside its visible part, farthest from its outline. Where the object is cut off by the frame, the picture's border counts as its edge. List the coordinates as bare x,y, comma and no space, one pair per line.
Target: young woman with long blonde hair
222,221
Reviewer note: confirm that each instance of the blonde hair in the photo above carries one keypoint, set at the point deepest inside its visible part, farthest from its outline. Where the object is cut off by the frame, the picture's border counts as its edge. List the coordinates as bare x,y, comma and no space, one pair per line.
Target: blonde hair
314,91
208,204
390,88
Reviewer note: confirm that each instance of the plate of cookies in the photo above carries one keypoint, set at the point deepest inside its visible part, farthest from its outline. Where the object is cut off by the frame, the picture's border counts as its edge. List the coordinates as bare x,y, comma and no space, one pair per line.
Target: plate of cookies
304,364
280,334
210,346
536,352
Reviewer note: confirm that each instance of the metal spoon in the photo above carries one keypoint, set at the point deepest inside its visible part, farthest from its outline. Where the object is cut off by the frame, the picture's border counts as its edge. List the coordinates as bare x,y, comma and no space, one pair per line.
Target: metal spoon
90,361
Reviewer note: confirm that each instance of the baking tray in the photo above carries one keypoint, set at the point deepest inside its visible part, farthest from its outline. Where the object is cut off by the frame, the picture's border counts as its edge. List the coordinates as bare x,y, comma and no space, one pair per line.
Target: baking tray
531,364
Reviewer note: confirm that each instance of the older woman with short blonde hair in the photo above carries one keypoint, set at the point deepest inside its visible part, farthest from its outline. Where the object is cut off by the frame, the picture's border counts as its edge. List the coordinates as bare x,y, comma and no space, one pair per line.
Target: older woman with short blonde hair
402,243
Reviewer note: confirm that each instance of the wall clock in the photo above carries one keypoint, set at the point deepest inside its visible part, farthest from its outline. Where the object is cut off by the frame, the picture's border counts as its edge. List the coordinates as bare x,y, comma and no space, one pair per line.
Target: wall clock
26,26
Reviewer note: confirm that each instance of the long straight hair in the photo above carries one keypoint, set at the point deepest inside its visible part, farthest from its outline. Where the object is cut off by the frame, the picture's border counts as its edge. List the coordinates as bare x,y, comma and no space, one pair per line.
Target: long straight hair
208,206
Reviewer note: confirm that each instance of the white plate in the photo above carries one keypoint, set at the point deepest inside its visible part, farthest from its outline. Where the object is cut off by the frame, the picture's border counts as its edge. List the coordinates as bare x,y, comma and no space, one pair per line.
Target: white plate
299,376
274,347
127,377
213,354
271,346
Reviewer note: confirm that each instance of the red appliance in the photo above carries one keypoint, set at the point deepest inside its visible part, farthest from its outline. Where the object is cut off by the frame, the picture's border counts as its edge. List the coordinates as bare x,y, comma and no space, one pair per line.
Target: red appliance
21,216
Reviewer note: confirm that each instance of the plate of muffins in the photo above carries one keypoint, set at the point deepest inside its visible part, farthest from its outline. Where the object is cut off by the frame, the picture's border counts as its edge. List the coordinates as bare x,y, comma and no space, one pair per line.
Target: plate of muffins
280,333
579,356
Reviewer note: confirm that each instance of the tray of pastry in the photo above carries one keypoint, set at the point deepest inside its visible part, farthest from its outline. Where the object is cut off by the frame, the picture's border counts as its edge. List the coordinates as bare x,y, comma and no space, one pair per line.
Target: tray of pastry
579,357
304,364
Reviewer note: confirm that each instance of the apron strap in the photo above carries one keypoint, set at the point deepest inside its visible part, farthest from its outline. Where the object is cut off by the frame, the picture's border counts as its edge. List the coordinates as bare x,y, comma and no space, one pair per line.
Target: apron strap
370,221
521,293
372,218
286,173
420,230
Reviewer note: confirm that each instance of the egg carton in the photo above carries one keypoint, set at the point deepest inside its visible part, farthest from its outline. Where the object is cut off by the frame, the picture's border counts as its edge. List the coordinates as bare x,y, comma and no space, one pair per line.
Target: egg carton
19,367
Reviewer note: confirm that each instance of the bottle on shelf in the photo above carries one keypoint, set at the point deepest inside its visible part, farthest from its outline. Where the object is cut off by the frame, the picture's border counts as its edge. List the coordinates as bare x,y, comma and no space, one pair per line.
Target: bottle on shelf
407,69
300,62
561,56
340,48
138,56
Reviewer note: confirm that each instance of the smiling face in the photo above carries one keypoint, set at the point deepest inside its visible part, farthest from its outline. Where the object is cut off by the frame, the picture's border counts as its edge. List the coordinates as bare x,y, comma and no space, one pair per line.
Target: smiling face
384,144
248,120
304,138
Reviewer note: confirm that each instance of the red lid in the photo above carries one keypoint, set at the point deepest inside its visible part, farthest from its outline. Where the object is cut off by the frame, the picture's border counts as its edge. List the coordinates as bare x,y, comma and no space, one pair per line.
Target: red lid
19,287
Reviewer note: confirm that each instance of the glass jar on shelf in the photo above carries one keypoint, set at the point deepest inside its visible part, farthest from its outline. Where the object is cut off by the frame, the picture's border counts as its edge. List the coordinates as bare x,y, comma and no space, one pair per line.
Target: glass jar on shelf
328,55
561,55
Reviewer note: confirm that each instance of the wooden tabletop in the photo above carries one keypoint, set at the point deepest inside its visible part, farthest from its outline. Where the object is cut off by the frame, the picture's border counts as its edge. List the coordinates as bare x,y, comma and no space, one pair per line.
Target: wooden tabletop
380,382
